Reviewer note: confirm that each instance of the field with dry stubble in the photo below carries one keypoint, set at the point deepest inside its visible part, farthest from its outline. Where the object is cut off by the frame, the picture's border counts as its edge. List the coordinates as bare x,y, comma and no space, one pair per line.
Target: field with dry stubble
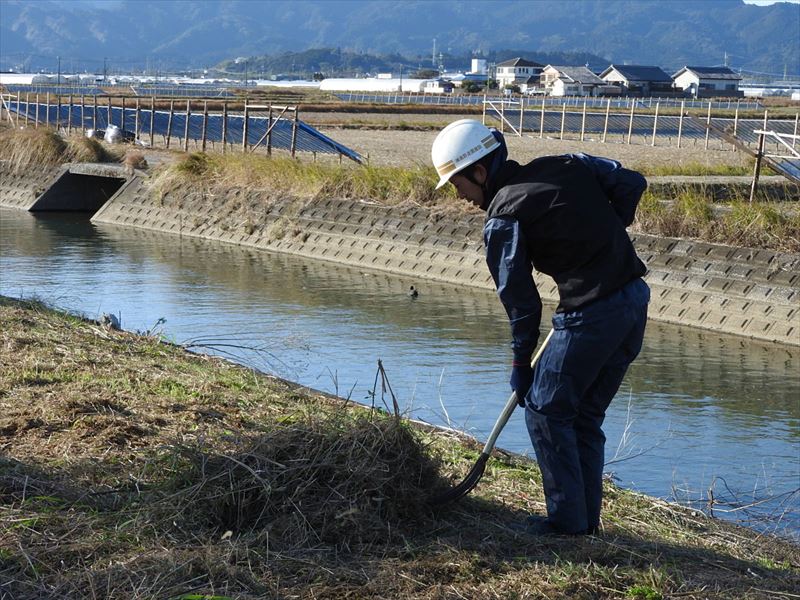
378,136
130,468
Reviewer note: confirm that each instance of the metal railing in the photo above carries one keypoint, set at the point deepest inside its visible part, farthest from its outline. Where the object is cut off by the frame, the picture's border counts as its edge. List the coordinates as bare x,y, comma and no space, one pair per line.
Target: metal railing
255,126
785,160
537,118
625,102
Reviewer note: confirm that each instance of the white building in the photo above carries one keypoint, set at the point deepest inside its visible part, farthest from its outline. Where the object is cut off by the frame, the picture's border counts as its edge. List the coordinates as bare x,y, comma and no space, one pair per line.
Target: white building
478,66
372,84
571,81
516,71
700,82
438,86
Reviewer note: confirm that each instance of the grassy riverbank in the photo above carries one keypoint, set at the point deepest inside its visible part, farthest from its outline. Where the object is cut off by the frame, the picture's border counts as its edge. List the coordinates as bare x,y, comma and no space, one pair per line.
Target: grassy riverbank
692,213
130,468
689,213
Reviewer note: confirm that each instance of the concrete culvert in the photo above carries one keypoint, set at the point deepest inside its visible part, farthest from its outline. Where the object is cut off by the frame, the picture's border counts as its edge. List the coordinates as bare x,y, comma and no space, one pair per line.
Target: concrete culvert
78,192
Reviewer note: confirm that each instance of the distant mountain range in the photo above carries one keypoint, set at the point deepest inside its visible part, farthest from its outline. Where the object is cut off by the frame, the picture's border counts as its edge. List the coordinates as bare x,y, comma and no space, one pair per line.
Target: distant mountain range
169,34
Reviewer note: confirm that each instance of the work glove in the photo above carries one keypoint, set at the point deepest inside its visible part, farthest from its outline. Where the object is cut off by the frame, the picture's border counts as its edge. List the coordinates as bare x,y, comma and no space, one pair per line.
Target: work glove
521,380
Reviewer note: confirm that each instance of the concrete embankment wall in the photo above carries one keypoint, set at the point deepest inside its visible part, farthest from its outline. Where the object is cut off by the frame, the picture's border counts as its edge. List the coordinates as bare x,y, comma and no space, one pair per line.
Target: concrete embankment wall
753,293
21,189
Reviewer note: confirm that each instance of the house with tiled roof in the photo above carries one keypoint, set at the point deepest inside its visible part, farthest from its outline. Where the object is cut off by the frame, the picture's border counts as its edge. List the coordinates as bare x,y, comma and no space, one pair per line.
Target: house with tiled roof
704,82
639,80
516,71
570,81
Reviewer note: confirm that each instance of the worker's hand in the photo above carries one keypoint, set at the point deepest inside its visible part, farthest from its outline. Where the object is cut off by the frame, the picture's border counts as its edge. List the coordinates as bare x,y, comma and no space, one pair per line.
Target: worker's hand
521,380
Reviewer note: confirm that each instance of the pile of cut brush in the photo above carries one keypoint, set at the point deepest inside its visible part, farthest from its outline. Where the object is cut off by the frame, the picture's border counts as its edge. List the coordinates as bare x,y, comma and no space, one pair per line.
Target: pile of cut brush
340,478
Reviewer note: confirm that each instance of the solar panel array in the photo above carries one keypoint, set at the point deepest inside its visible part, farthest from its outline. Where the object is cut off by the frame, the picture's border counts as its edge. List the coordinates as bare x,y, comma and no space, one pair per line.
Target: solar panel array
591,102
58,90
182,91
638,125
623,125
283,134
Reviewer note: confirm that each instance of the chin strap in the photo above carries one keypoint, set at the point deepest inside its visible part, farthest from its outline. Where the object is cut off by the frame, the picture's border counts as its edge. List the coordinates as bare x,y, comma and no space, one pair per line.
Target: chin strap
500,156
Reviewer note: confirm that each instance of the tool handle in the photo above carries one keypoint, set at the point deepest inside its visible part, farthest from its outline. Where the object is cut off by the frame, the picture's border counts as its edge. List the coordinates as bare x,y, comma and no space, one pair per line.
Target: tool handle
511,404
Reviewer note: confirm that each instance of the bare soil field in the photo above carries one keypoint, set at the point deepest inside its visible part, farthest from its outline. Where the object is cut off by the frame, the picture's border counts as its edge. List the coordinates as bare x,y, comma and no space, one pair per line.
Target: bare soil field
378,137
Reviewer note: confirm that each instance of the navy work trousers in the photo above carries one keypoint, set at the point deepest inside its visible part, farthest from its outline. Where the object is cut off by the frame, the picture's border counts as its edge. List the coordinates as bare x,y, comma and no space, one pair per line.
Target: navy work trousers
575,380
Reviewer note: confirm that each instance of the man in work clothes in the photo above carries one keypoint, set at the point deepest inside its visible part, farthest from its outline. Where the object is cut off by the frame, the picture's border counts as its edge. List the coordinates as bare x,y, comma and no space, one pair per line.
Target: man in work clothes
564,216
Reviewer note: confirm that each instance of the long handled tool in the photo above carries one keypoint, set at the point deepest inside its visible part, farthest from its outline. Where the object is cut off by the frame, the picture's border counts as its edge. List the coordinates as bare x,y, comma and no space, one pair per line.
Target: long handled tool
475,474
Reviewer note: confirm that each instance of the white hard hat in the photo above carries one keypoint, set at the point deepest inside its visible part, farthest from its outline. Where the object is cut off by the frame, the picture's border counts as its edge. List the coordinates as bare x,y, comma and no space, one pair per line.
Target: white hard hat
459,145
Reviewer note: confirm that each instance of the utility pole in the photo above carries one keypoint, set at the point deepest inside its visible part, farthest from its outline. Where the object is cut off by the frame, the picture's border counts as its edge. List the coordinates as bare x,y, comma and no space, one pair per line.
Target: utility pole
433,56
105,69
58,81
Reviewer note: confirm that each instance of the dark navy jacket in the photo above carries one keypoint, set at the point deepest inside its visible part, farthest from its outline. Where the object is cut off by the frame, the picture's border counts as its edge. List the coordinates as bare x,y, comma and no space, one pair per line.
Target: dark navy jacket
565,216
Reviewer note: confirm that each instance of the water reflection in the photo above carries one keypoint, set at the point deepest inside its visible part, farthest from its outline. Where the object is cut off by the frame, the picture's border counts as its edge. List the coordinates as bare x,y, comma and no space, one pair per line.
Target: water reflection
694,406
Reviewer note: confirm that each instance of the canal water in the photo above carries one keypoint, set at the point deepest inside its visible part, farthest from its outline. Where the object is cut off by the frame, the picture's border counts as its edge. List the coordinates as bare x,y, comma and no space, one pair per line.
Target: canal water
697,411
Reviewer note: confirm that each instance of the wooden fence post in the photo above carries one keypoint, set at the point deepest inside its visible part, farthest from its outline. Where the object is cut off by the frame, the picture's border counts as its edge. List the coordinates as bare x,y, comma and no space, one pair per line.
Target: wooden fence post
109,114
83,114
47,110
563,118
224,126
541,121
58,113
708,125
630,123
483,117
244,127
502,116
794,139
294,133
605,125
269,131
205,125
36,125
583,120
186,126
655,124
169,121
757,168
94,113
680,122
152,119
69,117
122,118
137,120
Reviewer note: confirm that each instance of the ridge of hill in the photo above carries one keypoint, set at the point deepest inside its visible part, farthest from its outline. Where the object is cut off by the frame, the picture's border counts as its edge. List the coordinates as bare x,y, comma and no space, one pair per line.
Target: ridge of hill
151,34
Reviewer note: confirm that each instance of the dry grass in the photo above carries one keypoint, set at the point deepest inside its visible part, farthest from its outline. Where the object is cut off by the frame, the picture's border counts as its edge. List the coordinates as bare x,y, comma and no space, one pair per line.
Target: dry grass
235,188
283,176
737,223
24,148
132,469
27,147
